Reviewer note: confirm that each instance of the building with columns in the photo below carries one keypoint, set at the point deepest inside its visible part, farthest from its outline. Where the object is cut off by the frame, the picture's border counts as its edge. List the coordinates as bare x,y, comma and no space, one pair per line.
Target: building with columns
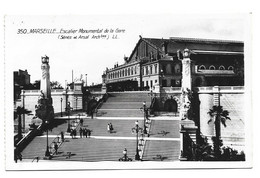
157,62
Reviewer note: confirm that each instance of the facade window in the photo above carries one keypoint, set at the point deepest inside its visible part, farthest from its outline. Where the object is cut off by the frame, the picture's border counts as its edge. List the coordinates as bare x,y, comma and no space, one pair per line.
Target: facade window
164,83
142,70
164,69
177,68
125,72
128,71
132,71
172,83
135,70
146,70
151,69
202,67
230,68
155,81
146,83
212,67
151,83
221,67
155,68
172,69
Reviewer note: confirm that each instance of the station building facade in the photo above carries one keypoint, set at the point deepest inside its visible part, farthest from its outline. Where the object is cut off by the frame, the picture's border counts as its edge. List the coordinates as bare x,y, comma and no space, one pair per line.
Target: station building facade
158,62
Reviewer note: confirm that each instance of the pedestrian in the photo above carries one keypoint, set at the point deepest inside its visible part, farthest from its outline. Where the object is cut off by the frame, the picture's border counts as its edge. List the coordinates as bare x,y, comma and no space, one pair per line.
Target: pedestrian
89,133
81,122
62,136
80,132
75,133
92,113
71,133
108,128
125,154
111,127
56,147
86,131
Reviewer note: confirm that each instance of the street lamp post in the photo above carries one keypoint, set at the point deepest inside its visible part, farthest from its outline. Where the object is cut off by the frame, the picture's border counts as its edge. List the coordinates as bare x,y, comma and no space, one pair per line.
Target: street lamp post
136,129
47,152
161,76
68,112
145,110
61,107
23,113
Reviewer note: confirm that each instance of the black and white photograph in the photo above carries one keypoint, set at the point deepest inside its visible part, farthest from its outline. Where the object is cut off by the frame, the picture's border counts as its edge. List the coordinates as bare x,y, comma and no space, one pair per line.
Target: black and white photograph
127,91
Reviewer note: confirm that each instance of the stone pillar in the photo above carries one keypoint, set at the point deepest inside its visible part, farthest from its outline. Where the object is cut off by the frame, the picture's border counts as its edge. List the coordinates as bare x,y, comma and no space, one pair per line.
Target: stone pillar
45,81
44,110
186,84
186,70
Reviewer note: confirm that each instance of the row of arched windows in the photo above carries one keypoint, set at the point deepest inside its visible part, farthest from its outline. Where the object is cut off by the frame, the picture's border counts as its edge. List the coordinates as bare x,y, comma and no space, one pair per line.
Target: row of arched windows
212,67
151,69
123,72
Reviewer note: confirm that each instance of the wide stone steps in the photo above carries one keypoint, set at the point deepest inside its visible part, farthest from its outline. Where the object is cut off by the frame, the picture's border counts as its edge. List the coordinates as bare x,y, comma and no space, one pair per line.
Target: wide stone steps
122,128
88,149
123,105
165,128
105,146
160,150
119,113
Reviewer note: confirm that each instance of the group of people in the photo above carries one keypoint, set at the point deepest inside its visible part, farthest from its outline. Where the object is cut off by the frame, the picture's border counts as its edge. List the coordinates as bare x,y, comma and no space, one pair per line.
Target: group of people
110,128
84,132
73,133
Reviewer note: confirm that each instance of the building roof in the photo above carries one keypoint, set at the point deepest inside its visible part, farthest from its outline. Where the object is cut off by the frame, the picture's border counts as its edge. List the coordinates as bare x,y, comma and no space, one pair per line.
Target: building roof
200,40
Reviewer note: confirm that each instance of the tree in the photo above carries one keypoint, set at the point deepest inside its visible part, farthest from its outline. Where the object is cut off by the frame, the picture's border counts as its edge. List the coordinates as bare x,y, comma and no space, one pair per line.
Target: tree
56,85
218,115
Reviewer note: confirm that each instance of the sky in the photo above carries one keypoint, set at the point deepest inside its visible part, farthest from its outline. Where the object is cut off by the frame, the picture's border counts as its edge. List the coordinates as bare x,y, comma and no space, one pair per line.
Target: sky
92,56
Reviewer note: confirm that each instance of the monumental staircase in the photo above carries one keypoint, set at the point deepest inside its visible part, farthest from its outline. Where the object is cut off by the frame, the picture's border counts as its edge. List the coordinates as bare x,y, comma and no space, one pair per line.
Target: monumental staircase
124,104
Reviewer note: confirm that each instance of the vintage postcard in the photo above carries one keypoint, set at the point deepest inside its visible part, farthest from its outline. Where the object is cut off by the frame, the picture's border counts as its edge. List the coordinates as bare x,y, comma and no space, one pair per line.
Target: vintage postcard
160,91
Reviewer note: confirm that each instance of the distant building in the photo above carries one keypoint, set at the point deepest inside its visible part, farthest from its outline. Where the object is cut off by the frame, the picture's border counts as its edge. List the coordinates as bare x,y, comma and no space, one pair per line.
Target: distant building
21,79
157,62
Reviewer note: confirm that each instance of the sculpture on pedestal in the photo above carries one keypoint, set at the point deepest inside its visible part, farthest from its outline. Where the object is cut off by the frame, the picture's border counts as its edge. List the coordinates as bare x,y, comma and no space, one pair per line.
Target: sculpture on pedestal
44,108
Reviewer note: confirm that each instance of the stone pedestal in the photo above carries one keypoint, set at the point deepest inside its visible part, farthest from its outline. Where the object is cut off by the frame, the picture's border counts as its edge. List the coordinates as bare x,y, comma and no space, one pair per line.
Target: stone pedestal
188,138
104,88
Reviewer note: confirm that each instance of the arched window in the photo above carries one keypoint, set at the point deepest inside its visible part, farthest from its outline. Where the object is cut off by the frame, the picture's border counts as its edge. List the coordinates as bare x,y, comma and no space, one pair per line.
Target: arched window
177,68
155,68
146,70
132,71
230,68
202,67
221,67
212,67
151,69
125,72
128,71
